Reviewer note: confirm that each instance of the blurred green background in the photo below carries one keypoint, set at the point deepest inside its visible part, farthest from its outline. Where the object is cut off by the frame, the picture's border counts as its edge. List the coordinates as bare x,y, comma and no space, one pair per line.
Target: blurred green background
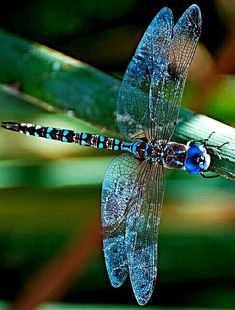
50,232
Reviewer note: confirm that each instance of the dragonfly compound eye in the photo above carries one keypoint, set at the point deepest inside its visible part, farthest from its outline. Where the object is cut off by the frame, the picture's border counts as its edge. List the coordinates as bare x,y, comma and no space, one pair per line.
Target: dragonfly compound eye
197,160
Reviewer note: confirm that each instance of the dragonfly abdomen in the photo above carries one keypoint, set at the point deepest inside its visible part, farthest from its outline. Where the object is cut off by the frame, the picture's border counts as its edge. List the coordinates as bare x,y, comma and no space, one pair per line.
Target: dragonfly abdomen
65,135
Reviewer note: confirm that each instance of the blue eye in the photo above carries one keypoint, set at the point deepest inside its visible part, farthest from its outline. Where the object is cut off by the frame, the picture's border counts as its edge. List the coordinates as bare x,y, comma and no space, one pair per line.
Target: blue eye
197,159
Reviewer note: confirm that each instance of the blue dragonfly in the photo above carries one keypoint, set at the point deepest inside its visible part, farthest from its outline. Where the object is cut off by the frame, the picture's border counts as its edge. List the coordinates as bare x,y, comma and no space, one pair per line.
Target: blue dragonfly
147,111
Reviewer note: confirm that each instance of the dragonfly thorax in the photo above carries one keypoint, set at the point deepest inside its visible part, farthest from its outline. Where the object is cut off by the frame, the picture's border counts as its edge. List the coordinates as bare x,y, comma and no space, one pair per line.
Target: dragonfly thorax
174,155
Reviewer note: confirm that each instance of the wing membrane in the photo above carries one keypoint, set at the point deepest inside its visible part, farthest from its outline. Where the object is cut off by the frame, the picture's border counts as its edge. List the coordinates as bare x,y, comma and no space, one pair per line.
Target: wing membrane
142,232
117,193
150,56
132,197
152,88
186,34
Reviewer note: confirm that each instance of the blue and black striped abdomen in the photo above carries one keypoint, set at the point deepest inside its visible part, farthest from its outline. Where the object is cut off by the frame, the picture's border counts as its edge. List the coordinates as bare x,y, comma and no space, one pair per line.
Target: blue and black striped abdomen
65,135
139,149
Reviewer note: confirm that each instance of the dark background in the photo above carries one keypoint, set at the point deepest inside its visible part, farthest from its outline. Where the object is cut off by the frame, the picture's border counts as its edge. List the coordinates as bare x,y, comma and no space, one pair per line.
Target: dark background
52,229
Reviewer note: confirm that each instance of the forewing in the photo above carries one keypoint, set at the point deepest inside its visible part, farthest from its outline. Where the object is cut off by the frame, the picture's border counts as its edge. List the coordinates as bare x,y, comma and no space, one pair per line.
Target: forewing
133,115
118,192
152,88
167,99
142,231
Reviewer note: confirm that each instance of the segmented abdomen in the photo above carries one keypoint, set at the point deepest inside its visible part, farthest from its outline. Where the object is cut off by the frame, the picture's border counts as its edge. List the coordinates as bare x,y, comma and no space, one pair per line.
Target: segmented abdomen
65,135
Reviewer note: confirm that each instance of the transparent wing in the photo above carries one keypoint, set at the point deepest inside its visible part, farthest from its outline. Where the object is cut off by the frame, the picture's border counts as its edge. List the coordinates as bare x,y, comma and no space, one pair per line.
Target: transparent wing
117,193
152,88
132,197
142,231
151,56
186,34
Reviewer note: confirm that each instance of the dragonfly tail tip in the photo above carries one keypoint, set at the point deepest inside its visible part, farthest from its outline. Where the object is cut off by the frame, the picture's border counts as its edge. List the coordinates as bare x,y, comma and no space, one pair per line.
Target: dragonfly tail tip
10,126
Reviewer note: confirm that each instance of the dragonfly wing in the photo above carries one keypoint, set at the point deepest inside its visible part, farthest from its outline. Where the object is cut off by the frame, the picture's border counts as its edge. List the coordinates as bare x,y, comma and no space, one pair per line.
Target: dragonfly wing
150,56
152,88
117,194
142,231
167,99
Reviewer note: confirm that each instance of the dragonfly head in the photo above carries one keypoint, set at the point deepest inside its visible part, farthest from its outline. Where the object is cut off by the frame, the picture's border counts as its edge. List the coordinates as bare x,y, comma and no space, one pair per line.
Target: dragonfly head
197,160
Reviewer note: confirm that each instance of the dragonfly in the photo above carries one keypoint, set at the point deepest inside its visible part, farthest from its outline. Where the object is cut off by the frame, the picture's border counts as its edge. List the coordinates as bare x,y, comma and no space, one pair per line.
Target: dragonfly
147,112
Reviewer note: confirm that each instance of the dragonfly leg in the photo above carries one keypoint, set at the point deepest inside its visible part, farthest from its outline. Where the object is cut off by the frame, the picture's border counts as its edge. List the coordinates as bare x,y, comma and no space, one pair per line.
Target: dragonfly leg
202,141
219,147
215,148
